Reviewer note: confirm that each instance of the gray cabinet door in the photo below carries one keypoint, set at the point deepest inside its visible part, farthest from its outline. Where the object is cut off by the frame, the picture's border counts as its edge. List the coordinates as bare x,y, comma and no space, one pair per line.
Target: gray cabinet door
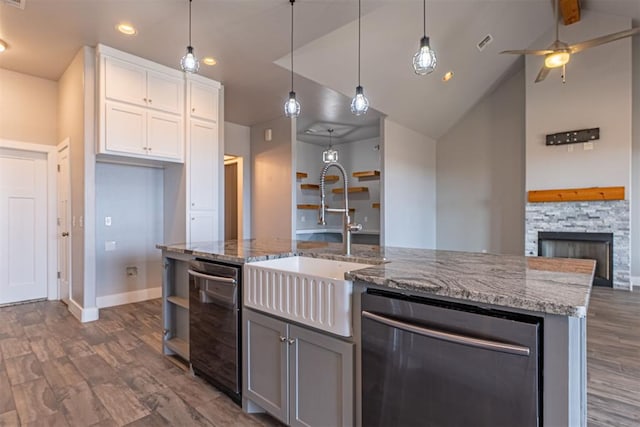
320,379
267,361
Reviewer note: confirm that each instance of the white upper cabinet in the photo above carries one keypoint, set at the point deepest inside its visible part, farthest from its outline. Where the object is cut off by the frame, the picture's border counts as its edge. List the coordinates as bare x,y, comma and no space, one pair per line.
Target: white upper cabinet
204,101
141,108
203,161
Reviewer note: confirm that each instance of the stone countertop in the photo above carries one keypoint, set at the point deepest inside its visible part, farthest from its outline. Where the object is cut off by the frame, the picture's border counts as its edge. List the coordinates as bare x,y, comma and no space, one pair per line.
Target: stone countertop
544,285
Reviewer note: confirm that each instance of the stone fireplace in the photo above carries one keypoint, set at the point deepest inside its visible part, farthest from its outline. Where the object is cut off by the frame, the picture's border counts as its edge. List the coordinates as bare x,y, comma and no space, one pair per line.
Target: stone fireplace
601,216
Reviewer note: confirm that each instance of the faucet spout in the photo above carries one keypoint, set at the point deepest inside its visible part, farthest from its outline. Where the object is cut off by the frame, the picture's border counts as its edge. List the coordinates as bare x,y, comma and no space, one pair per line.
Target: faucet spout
348,227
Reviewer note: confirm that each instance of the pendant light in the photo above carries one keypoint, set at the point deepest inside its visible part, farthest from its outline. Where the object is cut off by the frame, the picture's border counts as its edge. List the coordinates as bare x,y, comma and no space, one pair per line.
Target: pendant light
424,61
292,106
189,62
330,155
359,103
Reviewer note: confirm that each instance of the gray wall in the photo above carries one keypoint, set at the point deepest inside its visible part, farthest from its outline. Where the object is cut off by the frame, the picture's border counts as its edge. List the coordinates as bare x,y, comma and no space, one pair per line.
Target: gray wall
480,169
634,192
237,142
273,178
133,197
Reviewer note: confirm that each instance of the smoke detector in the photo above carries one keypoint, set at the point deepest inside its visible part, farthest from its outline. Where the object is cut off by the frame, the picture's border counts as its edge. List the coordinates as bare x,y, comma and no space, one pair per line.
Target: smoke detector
20,4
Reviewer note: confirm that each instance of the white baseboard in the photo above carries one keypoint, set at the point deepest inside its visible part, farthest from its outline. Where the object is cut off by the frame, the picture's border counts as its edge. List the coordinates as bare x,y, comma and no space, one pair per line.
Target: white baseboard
635,283
129,297
84,315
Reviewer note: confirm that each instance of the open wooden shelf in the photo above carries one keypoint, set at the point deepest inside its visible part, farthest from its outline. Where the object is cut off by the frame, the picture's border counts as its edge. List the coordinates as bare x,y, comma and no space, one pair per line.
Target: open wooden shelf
331,178
366,174
316,207
180,302
301,175
309,186
179,346
577,194
375,205
351,190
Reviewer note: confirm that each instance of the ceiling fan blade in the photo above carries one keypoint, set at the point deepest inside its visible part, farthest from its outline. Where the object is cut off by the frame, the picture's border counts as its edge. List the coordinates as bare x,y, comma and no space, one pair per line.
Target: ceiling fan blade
544,72
603,39
528,52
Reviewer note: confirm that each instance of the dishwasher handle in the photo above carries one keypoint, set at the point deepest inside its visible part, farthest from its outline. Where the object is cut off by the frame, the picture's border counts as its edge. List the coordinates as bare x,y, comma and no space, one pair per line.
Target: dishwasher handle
450,337
213,289
218,279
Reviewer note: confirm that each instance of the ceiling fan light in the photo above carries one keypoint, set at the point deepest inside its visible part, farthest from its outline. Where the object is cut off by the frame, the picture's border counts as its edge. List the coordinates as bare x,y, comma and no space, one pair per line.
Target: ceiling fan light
189,62
424,61
292,106
557,59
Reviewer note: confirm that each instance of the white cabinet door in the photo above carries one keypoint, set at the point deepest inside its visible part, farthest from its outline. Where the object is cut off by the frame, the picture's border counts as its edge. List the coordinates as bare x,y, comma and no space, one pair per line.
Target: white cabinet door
164,136
203,227
204,101
165,92
125,82
204,165
125,128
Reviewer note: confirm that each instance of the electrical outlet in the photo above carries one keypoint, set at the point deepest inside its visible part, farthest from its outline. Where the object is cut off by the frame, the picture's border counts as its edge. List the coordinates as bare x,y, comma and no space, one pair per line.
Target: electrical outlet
588,146
570,148
303,218
107,221
132,271
366,219
109,246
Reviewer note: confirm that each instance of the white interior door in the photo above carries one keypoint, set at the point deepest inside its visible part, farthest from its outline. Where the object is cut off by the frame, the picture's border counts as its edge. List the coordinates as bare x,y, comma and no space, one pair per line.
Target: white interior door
64,223
23,226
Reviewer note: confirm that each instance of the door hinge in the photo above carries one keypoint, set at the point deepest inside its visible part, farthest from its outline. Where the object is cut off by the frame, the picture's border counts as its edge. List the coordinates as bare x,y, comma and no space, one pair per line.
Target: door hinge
58,168
58,274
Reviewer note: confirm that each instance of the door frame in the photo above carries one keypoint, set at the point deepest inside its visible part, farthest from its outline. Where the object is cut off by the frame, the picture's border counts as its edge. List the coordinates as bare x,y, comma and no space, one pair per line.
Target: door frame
52,235
239,161
65,144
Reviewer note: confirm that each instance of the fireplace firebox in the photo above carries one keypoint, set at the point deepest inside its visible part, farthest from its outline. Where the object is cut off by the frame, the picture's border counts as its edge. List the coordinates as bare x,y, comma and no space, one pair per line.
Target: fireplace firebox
597,246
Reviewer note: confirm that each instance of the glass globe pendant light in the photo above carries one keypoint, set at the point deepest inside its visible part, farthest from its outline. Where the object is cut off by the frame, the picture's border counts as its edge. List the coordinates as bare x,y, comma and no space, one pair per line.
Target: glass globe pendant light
359,103
292,106
189,62
424,61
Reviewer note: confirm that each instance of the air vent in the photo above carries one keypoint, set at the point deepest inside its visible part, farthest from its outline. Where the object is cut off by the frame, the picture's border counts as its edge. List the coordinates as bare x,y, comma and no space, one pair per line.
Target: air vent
16,3
485,42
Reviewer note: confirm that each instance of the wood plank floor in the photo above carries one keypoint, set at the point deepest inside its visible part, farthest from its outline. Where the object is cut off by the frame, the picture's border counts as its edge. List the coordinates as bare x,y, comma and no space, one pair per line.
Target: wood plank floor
613,358
56,371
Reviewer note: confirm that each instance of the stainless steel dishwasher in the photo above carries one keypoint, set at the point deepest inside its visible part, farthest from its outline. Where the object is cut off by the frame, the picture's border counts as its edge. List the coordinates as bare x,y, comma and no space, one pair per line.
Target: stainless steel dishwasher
214,325
434,363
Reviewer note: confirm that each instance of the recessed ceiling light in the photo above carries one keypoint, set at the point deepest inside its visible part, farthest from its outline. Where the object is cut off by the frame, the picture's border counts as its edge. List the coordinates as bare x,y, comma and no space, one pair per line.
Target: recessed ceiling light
127,29
209,61
447,76
3,46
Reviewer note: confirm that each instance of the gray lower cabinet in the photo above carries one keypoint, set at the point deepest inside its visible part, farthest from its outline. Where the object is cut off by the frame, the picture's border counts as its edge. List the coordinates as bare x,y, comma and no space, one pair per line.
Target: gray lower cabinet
301,377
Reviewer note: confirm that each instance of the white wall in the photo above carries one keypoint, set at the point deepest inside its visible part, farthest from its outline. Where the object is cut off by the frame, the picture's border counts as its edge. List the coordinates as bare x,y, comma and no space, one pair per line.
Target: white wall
237,142
132,196
408,188
480,164
28,108
273,178
597,94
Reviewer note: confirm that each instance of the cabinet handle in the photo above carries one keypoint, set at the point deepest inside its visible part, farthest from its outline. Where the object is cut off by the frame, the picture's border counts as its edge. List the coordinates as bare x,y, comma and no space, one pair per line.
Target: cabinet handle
145,148
150,101
292,341
193,110
283,339
193,204
144,99
149,148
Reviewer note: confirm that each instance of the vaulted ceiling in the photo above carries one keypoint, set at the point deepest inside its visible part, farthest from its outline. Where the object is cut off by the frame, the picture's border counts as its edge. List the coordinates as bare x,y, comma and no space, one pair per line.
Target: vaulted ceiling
250,41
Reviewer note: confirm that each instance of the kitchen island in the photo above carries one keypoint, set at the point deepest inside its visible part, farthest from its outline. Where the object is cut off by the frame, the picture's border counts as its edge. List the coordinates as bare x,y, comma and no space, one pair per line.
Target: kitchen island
556,291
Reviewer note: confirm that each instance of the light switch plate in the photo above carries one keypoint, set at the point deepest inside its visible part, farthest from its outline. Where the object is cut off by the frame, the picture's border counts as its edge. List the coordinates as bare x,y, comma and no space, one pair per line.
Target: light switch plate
109,246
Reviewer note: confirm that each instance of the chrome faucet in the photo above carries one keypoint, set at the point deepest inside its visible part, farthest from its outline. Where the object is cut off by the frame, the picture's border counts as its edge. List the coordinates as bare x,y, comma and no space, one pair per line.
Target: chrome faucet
347,226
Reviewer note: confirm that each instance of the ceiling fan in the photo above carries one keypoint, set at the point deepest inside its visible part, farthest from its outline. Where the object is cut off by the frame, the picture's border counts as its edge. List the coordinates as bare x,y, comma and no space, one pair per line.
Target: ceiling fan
559,53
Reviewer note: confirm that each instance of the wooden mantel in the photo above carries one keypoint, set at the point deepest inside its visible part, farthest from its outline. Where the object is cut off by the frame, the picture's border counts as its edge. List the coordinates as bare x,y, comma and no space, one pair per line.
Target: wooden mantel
576,194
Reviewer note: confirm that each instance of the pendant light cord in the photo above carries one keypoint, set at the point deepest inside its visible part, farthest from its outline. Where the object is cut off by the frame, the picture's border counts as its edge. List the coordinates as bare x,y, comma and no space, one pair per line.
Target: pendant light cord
359,35
190,22
557,20
424,18
292,2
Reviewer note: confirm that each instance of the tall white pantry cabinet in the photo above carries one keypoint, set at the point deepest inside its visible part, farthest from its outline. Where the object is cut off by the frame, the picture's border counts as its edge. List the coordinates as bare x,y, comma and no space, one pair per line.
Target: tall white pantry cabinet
156,116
